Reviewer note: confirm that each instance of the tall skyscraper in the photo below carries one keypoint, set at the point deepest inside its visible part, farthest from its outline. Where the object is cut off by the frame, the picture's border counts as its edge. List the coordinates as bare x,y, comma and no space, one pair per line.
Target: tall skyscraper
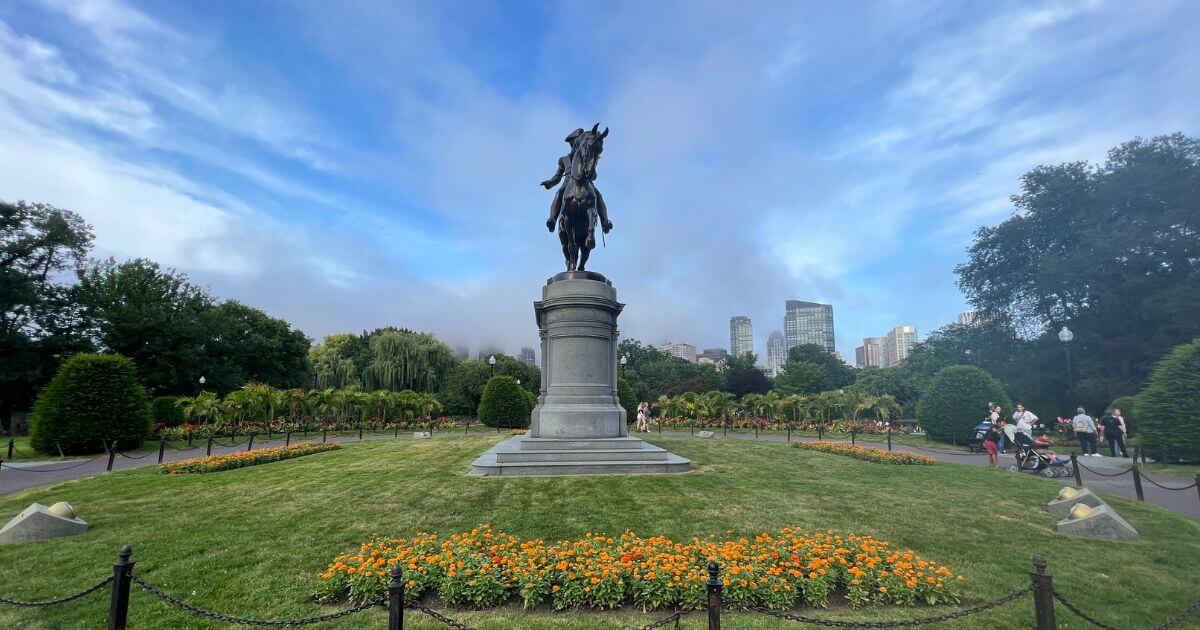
808,322
685,351
741,336
870,354
527,356
776,353
970,318
899,341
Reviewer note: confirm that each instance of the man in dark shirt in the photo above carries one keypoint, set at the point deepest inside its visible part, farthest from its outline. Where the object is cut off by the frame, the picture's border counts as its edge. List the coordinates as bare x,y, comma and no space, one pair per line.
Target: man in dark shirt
1114,434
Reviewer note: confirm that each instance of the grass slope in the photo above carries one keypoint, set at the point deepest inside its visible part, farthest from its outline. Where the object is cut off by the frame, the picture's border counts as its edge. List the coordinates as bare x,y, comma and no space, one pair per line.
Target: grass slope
249,541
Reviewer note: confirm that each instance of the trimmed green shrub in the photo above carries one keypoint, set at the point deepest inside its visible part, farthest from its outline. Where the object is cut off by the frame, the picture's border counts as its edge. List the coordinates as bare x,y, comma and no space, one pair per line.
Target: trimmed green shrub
1125,404
94,399
165,409
1168,409
956,399
628,399
505,404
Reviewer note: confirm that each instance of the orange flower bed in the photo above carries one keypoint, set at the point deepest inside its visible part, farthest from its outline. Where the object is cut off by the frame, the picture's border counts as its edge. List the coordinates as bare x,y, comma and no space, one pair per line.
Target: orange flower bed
865,453
241,459
781,570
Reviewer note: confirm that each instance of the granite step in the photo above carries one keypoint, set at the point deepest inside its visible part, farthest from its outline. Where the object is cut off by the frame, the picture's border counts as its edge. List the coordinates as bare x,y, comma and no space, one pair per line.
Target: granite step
673,464
586,444
648,454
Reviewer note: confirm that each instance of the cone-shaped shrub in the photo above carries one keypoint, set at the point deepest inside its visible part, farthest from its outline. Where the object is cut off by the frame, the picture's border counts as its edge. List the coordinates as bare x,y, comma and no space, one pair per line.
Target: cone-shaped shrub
93,400
1168,409
505,403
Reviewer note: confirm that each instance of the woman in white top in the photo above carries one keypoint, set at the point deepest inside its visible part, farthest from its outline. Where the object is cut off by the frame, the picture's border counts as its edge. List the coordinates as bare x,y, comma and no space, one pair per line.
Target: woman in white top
643,417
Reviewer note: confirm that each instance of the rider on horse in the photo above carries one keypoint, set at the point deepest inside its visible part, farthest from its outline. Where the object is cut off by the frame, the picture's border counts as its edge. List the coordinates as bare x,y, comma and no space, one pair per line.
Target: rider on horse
564,166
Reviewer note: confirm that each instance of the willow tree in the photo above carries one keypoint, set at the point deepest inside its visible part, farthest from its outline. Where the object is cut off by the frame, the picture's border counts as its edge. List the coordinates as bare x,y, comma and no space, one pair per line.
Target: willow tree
406,360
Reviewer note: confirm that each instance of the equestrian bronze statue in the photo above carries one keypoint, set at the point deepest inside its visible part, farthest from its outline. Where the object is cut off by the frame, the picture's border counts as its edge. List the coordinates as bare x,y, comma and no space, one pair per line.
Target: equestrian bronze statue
578,203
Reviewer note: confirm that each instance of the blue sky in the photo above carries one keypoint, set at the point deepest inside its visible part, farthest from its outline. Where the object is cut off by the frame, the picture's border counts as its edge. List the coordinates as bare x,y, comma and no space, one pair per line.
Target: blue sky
347,165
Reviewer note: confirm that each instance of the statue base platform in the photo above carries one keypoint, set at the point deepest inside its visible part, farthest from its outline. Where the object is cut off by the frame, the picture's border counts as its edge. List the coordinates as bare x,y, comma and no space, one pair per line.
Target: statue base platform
523,456
578,426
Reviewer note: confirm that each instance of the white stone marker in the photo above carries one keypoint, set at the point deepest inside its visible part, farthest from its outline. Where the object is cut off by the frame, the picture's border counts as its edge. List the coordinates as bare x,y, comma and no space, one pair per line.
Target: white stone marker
39,522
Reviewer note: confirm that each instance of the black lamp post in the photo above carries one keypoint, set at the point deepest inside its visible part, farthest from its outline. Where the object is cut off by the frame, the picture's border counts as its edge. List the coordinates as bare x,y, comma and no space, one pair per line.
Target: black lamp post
202,382
492,362
1065,336
624,360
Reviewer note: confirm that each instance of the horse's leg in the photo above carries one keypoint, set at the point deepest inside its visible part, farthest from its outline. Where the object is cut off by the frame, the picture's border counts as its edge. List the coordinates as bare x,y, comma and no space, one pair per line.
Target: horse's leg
584,252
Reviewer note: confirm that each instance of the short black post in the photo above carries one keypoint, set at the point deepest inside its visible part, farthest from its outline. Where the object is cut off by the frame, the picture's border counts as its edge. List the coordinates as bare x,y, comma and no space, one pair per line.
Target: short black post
691,427
250,444
1043,594
360,430
162,447
714,587
853,434
1198,484
726,425
820,431
208,449
324,434
118,604
396,599
1075,468
1164,457
466,426
954,441
305,431
10,449
789,432
189,439
1137,482
756,430
396,427
268,431
287,440
889,437
660,427
112,455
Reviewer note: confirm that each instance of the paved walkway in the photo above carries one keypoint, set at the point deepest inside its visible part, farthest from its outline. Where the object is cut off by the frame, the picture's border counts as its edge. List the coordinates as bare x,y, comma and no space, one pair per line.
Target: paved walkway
22,475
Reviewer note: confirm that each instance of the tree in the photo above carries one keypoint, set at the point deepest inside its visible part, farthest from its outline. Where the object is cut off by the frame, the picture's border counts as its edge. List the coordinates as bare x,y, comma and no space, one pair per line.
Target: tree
154,317
504,404
628,398
837,374
243,344
339,361
1168,409
742,377
407,360
896,382
1109,250
94,402
39,316
203,407
463,388
800,377
957,399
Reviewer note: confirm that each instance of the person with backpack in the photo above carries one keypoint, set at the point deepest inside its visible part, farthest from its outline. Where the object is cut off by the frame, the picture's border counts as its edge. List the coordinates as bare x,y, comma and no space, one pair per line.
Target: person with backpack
1085,430
1114,432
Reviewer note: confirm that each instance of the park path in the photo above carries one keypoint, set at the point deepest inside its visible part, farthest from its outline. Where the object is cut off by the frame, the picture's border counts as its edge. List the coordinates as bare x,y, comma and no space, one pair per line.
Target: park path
22,475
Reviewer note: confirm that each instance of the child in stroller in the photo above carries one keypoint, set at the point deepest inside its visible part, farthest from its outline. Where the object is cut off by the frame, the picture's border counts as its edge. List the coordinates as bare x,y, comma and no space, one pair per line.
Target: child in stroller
1035,456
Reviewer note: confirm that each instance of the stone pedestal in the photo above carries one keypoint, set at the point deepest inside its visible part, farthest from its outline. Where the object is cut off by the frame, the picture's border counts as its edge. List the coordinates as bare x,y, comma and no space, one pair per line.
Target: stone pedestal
578,425
39,522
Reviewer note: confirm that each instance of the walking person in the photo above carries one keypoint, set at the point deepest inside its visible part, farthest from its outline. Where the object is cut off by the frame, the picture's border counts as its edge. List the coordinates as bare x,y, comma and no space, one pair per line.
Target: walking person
996,419
1114,432
1085,430
643,417
991,439
1025,421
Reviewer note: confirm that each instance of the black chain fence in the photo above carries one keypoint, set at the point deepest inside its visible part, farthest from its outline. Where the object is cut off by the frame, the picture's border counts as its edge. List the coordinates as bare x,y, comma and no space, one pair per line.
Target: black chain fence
1100,474
58,600
1154,483
898,623
1173,622
440,617
304,621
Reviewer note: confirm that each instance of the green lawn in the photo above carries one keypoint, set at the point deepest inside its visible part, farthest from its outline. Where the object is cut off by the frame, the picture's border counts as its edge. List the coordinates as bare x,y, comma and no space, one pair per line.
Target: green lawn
249,541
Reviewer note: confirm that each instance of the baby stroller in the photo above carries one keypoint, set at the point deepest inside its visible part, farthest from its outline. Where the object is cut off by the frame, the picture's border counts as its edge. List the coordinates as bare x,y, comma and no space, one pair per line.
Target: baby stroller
1030,459
975,443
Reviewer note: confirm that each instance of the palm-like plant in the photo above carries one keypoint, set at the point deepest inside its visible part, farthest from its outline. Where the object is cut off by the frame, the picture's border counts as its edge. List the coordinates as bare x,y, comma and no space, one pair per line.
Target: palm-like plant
885,406
750,404
264,398
204,407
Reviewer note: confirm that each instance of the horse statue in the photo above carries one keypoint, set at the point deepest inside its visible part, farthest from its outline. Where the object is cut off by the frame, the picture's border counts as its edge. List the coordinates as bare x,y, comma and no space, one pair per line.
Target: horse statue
578,203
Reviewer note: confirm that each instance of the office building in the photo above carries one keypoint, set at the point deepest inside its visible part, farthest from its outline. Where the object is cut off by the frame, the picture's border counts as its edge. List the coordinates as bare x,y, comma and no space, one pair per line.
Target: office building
741,336
970,318
899,342
870,354
685,351
808,322
776,353
527,356
713,355
462,353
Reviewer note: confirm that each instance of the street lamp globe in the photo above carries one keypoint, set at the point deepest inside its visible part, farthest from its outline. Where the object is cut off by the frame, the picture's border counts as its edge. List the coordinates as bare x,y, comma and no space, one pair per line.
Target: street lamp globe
203,380
1065,335
624,359
492,360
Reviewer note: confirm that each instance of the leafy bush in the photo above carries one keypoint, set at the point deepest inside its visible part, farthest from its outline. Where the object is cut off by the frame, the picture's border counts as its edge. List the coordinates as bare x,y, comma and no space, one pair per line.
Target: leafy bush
505,404
165,410
957,399
93,400
628,399
1168,409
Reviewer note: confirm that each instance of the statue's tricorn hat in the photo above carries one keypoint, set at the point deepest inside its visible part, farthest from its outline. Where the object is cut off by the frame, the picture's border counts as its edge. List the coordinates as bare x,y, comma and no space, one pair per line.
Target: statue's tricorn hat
573,135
